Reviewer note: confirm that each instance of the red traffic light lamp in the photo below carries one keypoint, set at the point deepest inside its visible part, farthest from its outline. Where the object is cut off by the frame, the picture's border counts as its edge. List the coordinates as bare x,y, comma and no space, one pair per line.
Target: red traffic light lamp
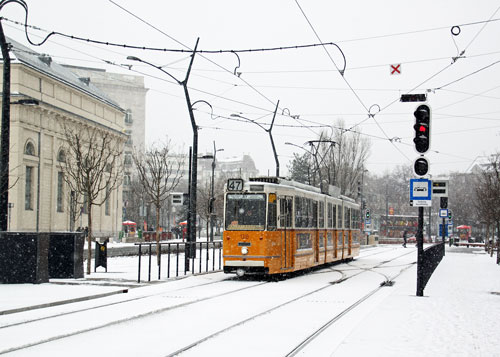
422,128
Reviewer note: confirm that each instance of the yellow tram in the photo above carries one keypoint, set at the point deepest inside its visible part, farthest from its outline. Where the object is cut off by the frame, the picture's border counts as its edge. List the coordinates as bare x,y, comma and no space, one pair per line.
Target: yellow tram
275,226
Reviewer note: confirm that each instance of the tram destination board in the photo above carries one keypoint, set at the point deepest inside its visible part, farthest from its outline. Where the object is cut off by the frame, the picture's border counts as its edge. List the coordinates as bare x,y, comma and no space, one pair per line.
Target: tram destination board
440,188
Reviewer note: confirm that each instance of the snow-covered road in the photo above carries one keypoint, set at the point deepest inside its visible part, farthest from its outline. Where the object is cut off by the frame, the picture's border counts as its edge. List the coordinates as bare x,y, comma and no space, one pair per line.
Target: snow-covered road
316,314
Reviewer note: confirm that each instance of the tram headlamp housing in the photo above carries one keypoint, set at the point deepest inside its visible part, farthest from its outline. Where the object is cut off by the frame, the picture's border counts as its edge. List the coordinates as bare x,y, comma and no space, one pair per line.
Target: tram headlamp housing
244,250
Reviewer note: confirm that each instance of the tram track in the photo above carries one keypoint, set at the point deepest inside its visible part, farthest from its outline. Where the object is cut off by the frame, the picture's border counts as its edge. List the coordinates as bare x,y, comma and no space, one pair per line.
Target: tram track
122,320
99,306
345,274
342,279
304,343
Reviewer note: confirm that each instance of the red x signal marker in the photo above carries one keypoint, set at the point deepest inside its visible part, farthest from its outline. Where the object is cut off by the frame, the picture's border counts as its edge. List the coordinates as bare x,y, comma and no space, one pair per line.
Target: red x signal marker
396,68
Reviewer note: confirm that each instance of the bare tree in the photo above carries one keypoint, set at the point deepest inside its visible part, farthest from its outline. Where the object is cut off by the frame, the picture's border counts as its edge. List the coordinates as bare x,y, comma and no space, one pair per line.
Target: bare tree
92,168
488,193
203,205
159,170
338,159
137,210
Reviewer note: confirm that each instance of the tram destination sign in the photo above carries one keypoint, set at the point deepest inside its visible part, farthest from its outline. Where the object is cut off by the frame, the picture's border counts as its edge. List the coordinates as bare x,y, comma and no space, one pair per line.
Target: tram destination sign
440,188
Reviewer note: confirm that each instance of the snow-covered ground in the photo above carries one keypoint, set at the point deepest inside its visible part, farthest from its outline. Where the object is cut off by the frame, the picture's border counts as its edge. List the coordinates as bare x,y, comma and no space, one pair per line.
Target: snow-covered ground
458,316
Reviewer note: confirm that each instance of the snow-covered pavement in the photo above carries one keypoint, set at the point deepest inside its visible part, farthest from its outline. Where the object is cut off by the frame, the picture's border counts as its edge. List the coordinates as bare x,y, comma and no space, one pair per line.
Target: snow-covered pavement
459,314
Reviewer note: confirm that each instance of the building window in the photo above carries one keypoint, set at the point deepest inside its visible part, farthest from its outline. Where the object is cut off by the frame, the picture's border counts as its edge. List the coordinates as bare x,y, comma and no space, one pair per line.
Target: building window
128,117
126,179
60,191
129,141
106,204
61,156
128,158
28,190
29,149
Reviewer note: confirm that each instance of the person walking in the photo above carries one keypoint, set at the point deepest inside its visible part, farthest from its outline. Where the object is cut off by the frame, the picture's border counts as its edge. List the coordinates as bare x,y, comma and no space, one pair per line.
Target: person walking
405,236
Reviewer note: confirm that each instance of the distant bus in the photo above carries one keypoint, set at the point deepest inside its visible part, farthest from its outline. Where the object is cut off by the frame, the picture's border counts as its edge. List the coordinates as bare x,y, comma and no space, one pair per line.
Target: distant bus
464,235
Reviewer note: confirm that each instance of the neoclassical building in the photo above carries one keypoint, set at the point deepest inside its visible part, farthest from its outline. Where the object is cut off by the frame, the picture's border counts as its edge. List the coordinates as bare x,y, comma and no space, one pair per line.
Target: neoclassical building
39,198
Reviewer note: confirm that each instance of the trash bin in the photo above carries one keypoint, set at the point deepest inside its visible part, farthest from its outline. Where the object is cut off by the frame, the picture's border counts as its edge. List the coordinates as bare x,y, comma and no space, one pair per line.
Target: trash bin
66,255
101,255
24,257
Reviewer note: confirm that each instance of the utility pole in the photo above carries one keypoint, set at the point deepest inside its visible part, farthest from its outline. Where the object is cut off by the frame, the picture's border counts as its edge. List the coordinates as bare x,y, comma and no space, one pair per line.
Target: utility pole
5,134
420,252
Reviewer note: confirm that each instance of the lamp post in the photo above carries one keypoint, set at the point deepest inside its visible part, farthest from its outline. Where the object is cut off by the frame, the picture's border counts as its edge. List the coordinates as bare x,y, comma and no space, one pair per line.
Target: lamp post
5,135
212,196
194,164
269,131
5,124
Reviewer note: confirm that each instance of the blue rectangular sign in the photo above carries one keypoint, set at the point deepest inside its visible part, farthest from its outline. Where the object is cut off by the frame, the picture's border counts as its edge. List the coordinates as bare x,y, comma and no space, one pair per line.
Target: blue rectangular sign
420,190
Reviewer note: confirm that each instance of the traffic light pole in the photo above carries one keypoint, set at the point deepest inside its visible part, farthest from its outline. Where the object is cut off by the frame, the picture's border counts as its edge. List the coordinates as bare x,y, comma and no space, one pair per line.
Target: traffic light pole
420,252
444,235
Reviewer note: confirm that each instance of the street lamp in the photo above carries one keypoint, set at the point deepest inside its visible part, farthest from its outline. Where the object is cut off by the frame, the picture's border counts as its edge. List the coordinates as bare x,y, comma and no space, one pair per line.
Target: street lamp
212,196
5,125
269,131
194,164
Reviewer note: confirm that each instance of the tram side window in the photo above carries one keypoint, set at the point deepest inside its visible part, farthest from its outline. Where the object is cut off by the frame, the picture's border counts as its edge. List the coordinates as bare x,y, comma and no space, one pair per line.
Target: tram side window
314,219
355,219
347,218
306,212
330,215
334,216
298,212
271,212
339,217
285,212
321,215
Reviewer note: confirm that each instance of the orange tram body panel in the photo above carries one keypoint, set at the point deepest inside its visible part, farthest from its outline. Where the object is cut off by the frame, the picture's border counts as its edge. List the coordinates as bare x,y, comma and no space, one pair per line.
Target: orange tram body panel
275,226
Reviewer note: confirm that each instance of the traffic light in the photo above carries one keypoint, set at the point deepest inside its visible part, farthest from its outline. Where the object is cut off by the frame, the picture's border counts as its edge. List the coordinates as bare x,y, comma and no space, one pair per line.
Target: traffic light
422,128
421,166
449,214
443,202
367,214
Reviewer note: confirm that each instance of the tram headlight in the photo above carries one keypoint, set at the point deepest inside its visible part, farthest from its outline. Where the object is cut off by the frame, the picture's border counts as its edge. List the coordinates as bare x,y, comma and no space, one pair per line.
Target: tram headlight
244,250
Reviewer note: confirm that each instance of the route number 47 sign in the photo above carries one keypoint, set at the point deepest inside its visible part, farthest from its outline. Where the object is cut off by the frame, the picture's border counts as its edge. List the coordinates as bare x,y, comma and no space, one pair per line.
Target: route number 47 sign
234,184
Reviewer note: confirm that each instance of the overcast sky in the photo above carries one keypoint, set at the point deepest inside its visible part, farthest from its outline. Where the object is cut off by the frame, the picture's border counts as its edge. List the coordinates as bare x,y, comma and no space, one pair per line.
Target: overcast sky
464,92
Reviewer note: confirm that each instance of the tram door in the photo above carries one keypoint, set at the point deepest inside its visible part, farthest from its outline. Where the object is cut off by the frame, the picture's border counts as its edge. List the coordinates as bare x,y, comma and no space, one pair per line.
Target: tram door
286,219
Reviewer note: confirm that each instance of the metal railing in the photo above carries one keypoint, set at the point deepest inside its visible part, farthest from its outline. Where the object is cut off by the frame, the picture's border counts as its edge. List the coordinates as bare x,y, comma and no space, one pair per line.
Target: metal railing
201,257
431,259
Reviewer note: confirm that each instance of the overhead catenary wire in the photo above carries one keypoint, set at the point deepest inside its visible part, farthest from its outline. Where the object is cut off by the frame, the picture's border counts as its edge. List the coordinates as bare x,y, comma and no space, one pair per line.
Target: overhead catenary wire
294,118
341,72
439,72
247,50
